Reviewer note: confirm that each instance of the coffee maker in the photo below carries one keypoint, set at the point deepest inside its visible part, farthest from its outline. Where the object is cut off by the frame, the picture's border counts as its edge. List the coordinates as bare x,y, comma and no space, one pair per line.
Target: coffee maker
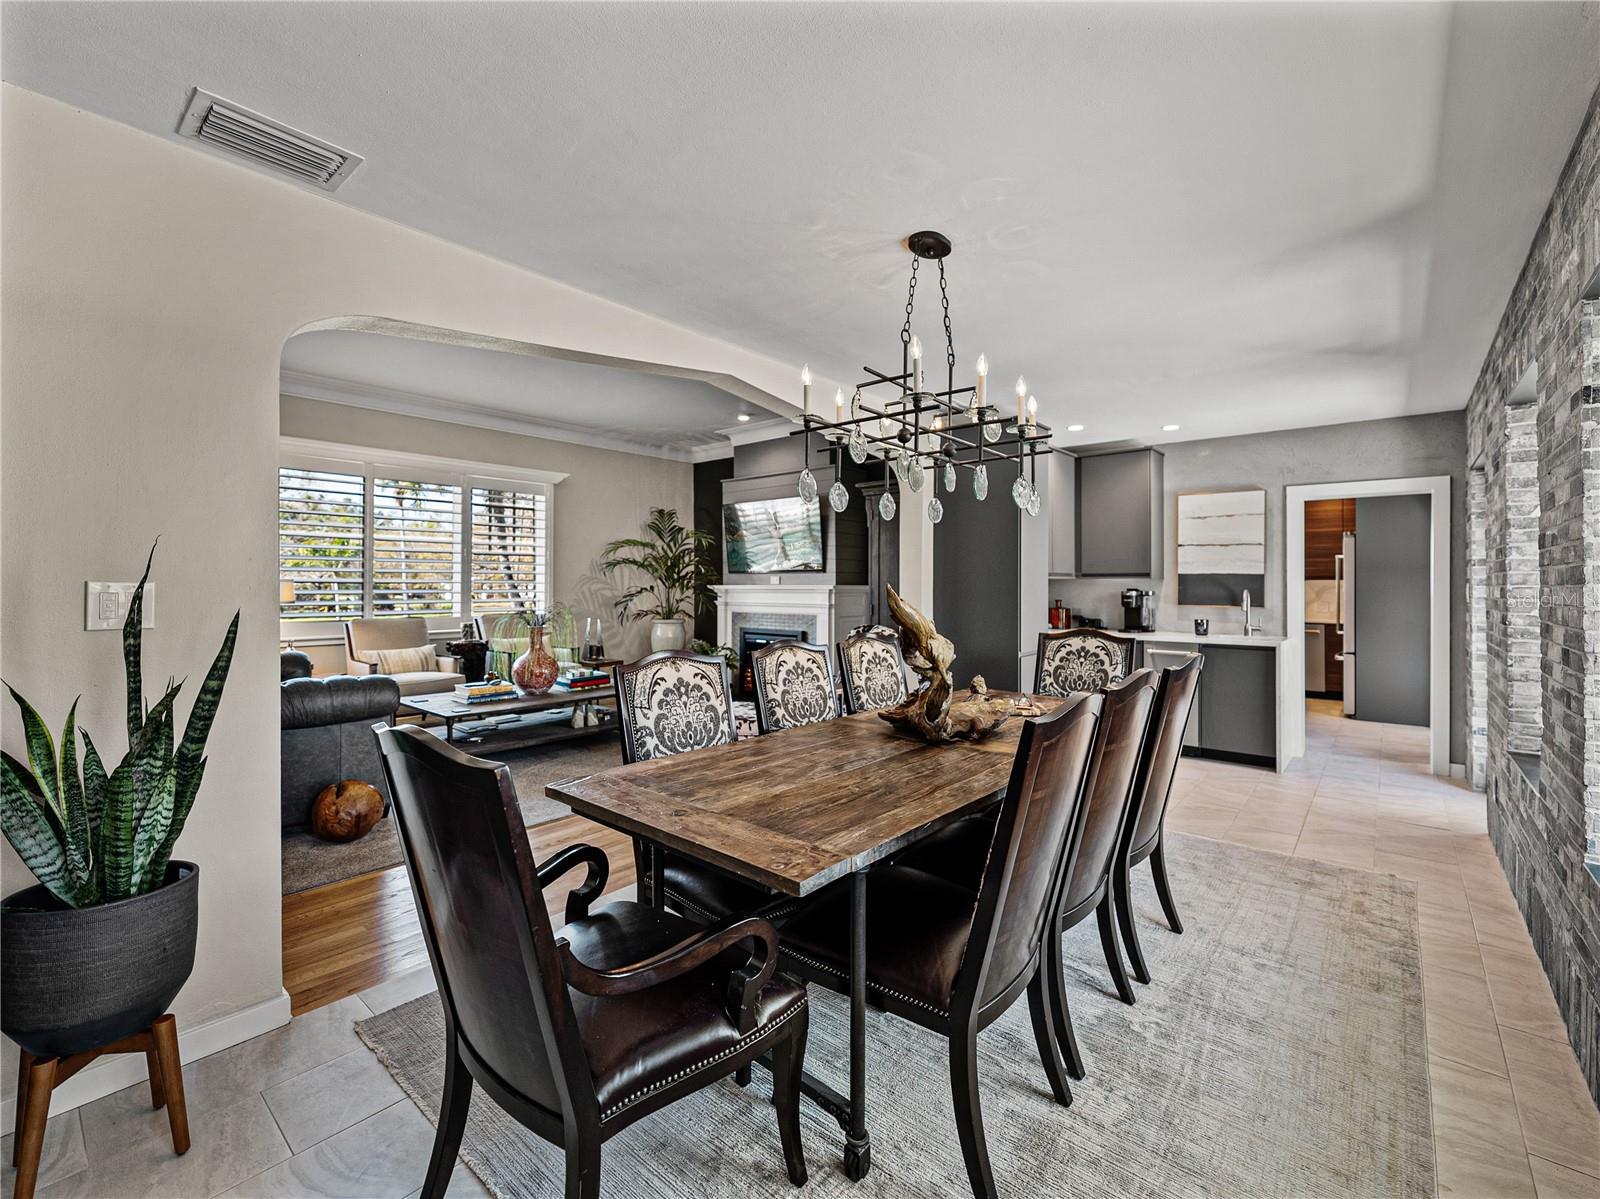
1138,611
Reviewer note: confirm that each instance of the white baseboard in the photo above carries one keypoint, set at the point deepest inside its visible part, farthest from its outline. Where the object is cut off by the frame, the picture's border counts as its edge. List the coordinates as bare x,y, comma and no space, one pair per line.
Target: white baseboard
1458,770
111,1074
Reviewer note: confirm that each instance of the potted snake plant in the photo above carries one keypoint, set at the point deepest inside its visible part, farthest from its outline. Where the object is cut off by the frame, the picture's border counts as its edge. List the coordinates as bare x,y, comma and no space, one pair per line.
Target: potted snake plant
102,944
679,570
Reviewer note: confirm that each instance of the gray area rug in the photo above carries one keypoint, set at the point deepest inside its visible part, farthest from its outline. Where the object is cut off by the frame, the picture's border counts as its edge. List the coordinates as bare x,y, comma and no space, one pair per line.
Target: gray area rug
309,861
1279,1052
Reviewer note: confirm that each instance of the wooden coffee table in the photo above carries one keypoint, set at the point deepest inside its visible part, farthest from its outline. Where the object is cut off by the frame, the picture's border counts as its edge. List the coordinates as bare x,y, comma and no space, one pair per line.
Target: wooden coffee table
514,723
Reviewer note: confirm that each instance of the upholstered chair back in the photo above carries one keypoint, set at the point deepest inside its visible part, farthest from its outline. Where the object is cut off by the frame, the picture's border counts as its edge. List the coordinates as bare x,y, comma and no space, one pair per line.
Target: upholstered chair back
1040,819
673,702
1118,746
873,670
1081,660
363,638
1153,787
483,916
794,685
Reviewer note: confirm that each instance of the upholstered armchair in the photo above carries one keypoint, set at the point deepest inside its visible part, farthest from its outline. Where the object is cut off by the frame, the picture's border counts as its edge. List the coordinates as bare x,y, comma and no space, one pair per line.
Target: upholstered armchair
1081,660
400,647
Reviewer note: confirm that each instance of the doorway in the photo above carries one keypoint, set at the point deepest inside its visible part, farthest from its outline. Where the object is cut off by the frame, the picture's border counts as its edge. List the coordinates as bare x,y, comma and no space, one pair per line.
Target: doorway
1392,695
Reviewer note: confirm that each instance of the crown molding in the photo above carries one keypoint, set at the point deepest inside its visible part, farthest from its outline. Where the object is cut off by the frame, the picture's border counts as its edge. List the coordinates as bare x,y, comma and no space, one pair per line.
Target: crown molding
407,403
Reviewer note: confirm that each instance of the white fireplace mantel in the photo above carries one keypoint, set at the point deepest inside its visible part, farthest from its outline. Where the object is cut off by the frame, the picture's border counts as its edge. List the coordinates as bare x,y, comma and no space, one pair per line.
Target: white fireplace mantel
833,610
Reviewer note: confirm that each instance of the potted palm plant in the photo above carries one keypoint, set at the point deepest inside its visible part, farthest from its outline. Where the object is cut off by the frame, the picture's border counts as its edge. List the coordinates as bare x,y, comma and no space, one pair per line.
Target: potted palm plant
678,568
103,943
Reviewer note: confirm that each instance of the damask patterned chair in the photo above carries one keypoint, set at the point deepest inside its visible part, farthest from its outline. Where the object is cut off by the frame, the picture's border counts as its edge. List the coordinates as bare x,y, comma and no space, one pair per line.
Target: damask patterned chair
671,703
1081,660
873,670
794,685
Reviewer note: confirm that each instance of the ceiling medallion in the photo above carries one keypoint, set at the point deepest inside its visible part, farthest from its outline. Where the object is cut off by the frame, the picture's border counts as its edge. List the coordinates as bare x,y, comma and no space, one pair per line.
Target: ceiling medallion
914,430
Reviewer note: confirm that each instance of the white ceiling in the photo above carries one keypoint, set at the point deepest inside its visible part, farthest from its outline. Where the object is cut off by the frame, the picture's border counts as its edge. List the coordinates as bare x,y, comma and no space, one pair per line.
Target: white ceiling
520,392
1234,217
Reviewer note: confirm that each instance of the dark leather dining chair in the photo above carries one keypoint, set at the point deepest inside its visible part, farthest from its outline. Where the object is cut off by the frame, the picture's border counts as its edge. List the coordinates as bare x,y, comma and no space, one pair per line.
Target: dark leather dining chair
576,1034
873,670
1113,764
953,958
1144,837
1072,660
794,685
669,703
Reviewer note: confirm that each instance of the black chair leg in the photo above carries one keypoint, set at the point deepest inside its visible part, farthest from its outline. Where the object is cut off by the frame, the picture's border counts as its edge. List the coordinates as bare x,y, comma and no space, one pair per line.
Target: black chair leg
1108,942
969,1113
453,1108
583,1165
1056,969
1130,934
742,1076
788,1062
1158,867
1041,1008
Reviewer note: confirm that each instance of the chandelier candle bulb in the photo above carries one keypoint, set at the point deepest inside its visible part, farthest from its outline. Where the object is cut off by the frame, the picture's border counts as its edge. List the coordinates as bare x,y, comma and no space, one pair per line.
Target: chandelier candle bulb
916,363
1033,412
805,389
1022,391
838,404
983,376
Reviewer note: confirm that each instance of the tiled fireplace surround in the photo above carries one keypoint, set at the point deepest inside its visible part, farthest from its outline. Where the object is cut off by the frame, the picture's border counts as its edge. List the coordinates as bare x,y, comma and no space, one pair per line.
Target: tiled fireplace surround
819,612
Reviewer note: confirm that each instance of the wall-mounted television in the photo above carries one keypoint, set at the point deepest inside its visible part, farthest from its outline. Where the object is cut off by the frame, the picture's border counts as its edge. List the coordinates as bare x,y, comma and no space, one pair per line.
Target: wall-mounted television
767,536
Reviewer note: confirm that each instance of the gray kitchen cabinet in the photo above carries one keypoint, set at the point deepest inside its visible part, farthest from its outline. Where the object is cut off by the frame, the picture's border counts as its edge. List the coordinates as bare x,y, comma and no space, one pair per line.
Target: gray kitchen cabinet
1238,702
1120,502
1063,496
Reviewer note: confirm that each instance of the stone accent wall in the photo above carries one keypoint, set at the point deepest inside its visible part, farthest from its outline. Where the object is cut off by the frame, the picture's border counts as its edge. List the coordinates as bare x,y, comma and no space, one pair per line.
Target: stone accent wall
1543,830
1478,628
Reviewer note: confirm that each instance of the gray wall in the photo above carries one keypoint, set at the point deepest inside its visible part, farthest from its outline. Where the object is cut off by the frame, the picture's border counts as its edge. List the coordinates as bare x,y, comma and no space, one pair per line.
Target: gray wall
1391,608
976,551
1406,446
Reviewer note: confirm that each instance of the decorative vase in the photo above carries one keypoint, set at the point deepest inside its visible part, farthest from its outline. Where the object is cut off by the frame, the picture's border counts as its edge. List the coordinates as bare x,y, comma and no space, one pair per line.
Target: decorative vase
79,978
536,670
668,634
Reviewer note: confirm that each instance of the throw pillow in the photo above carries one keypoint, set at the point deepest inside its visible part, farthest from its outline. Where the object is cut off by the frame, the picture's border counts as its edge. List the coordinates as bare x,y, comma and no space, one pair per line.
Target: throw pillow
407,661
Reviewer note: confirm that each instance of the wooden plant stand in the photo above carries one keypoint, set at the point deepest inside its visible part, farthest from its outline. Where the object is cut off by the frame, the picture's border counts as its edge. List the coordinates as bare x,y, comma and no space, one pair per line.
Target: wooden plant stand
37,1077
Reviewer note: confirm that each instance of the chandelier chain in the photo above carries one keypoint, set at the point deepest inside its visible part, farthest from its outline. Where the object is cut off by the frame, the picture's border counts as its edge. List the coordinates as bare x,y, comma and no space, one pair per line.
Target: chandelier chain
949,337
911,303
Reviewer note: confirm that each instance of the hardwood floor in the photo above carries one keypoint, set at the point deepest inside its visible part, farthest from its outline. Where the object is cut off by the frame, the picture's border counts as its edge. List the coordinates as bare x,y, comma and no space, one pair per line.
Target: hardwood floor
355,934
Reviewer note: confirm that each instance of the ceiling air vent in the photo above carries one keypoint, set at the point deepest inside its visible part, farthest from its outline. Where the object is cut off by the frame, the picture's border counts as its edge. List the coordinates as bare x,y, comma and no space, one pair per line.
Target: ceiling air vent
269,143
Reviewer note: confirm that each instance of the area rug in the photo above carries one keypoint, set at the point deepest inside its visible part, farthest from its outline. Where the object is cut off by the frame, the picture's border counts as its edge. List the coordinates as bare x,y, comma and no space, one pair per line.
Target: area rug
1279,1052
309,861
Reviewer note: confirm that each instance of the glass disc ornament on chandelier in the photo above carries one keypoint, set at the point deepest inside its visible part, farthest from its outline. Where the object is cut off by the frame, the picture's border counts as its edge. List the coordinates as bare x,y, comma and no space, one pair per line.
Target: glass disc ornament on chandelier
1020,491
917,429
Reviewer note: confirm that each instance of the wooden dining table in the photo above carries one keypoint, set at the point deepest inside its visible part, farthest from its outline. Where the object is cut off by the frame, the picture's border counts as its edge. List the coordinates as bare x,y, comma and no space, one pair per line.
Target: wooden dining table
794,811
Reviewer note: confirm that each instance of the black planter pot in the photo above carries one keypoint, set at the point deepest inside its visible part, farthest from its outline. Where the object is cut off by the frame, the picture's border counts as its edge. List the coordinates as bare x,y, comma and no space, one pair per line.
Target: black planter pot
73,979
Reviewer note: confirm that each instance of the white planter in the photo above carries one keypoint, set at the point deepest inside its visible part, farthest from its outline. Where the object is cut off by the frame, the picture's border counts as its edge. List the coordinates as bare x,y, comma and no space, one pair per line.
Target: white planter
668,634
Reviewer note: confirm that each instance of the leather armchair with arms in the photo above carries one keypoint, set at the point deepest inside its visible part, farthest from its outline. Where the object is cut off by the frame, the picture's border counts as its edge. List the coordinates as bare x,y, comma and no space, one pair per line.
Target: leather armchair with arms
326,736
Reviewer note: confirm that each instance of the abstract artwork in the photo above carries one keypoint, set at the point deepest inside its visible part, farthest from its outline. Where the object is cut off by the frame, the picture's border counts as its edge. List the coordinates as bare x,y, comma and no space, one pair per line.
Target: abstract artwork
1222,538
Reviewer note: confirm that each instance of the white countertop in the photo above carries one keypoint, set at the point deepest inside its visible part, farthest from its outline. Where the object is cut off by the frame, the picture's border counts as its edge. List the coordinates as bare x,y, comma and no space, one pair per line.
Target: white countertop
1257,641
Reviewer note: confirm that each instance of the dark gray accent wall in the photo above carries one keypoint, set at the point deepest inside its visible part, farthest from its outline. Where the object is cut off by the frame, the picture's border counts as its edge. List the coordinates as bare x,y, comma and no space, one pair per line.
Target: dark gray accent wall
976,550
1404,447
768,469
1391,608
708,477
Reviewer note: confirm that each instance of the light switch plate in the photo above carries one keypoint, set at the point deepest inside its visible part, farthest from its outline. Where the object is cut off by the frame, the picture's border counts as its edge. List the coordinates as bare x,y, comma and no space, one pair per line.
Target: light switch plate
105,605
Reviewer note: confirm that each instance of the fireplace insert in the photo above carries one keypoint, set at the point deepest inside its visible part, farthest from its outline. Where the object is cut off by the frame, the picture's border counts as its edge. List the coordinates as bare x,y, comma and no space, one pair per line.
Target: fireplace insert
750,640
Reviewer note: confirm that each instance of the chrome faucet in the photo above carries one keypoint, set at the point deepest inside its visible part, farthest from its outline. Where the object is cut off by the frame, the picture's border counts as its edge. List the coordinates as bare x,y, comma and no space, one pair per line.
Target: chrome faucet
1249,629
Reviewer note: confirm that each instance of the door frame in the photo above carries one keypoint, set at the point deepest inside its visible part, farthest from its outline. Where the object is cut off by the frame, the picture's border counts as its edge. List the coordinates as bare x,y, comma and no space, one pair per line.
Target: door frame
1437,487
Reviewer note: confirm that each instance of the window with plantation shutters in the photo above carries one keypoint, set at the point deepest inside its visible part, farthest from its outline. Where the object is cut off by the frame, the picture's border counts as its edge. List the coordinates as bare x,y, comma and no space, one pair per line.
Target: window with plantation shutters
509,570
416,548
408,535
321,538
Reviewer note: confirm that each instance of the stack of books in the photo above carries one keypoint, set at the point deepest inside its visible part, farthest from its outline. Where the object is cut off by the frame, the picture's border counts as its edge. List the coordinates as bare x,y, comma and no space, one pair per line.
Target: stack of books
484,692
582,680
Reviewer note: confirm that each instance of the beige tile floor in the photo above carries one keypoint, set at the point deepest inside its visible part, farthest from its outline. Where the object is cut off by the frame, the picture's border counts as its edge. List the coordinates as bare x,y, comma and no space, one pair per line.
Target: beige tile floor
1511,1114
307,1111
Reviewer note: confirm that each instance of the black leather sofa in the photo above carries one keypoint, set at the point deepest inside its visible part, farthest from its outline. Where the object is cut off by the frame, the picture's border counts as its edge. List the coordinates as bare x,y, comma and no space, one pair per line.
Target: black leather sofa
327,733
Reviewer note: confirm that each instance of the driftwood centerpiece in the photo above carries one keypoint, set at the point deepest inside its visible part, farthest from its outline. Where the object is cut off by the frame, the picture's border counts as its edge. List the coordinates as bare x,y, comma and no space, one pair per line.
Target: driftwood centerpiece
936,713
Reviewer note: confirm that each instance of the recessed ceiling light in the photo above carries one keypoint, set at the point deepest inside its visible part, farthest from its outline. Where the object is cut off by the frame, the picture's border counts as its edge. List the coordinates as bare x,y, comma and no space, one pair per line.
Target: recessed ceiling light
1074,428
744,416
1169,428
